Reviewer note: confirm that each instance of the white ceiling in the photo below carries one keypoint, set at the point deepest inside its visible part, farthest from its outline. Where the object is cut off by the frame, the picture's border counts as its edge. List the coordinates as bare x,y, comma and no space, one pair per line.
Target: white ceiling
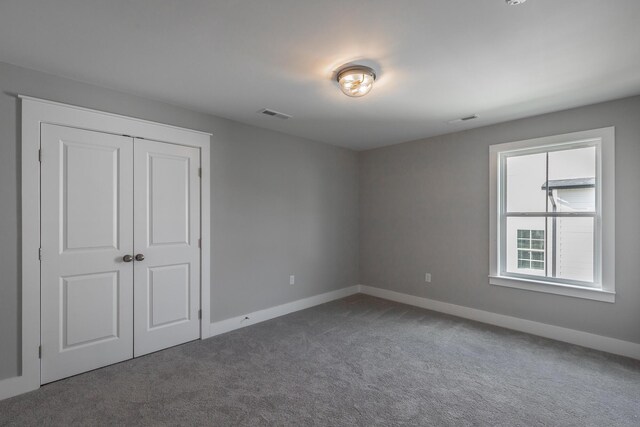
436,59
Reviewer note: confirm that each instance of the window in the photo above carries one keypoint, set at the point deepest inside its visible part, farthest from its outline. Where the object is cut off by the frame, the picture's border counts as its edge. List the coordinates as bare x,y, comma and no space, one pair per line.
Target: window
531,249
552,213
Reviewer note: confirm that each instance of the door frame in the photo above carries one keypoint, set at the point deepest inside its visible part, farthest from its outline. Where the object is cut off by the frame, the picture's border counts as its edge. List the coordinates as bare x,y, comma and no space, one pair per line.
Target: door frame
36,111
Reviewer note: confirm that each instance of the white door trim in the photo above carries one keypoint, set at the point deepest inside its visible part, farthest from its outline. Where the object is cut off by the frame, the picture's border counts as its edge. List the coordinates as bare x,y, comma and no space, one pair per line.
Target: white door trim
34,112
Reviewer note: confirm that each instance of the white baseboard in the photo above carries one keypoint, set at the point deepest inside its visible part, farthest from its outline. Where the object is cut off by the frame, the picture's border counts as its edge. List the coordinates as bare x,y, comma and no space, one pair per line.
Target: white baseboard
17,385
584,339
14,386
238,322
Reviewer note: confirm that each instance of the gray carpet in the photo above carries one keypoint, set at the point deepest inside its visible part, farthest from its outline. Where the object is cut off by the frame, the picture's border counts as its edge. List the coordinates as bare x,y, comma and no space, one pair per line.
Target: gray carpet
360,361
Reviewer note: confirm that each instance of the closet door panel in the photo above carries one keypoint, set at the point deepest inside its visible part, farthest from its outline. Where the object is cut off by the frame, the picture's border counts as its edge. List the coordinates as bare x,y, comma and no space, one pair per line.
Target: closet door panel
167,230
87,228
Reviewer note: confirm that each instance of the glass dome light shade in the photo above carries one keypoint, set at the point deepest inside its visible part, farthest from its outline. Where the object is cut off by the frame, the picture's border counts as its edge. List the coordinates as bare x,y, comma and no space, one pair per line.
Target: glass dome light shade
356,81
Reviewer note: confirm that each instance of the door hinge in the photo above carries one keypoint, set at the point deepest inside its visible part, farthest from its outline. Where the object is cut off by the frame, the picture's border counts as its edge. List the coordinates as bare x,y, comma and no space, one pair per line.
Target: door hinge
200,243
40,155
200,172
39,254
39,352
199,314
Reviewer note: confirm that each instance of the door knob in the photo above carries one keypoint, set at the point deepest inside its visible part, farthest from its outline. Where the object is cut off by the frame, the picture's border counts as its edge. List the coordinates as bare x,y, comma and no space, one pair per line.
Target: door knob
139,257
127,258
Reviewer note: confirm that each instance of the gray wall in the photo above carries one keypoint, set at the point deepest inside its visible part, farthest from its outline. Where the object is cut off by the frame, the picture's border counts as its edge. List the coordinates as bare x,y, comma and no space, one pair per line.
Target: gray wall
425,208
280,205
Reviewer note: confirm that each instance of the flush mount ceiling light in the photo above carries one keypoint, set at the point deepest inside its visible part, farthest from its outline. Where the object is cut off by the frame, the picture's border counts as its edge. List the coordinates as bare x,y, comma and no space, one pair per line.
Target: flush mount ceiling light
356,81
515,2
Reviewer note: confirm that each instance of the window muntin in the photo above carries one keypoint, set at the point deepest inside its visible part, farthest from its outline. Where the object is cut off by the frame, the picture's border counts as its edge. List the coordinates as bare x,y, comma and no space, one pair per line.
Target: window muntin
551,190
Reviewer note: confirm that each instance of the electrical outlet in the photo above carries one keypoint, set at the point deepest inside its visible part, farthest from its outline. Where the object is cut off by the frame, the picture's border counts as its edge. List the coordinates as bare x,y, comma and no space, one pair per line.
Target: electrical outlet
292,280
427,277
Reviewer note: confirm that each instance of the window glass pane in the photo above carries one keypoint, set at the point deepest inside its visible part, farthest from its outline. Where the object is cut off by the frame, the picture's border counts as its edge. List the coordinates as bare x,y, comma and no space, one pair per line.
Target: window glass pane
537,265
525,178
524,254
565,252
537,234
538,256
572,175
518,260
537,244
524,264
571,246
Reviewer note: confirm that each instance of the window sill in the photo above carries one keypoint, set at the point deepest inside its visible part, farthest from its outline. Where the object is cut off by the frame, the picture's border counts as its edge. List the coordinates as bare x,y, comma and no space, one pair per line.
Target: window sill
554,288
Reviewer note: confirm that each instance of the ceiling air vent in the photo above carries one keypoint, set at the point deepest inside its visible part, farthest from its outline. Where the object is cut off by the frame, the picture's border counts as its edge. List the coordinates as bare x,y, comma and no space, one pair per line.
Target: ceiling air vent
273,113
463,119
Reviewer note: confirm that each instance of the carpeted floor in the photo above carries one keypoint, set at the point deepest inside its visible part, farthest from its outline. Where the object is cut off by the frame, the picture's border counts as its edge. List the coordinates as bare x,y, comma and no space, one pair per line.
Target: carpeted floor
360,361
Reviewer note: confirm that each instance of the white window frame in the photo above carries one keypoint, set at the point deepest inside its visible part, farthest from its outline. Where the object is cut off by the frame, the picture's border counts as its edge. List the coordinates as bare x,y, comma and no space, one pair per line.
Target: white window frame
603,288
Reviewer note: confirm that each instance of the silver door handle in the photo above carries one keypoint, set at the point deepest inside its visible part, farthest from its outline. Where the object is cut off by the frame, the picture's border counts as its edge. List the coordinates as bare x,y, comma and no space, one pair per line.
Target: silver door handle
127,258
139,257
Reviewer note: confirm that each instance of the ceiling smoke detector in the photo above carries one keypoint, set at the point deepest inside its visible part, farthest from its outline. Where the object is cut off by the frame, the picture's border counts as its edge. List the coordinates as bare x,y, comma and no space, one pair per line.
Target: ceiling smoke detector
515,2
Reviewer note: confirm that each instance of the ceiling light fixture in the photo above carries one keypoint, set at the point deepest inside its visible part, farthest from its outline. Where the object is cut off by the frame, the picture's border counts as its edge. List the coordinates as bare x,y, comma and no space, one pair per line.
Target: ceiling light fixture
356,81
515,2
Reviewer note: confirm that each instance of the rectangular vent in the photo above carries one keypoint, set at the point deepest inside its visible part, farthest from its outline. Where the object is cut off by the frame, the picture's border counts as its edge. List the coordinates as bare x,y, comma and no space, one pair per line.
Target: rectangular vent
463,119
273,113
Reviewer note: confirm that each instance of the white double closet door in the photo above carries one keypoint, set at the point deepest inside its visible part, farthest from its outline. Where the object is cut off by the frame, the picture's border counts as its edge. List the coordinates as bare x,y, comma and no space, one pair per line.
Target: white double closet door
120,267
